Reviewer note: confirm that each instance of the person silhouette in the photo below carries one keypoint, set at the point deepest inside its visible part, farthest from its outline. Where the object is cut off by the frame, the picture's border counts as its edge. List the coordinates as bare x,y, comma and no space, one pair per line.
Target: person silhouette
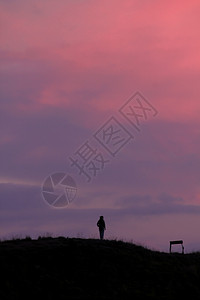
102,226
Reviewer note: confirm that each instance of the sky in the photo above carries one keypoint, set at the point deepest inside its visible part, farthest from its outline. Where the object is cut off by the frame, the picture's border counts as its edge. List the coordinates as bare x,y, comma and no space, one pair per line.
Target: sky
75,76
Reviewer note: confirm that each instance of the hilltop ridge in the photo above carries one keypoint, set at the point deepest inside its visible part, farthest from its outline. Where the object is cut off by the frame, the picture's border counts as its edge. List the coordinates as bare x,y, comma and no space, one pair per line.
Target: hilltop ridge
73,268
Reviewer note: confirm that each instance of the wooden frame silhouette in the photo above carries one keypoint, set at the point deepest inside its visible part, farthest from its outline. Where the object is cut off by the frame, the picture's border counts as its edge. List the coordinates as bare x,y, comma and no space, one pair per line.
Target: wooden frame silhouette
176,243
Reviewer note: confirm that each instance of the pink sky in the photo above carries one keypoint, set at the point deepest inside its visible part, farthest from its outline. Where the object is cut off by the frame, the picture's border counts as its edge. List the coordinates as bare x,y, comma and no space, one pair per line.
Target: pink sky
66,67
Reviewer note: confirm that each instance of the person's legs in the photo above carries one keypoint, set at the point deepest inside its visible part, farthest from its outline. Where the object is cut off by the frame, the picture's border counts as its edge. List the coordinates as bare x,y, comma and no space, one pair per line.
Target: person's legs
101,233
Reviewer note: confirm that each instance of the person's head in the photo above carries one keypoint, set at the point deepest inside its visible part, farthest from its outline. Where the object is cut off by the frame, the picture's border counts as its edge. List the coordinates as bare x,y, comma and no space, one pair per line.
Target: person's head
101,217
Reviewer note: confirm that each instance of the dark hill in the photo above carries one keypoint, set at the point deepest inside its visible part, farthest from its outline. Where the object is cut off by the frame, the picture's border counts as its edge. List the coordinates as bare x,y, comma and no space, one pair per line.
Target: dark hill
70,268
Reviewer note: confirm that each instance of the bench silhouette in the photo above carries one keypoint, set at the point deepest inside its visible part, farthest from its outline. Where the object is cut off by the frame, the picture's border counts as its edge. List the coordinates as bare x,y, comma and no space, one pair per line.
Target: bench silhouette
179,242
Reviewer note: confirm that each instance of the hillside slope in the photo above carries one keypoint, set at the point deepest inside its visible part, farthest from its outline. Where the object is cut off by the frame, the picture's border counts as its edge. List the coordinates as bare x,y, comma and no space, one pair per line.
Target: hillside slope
69,268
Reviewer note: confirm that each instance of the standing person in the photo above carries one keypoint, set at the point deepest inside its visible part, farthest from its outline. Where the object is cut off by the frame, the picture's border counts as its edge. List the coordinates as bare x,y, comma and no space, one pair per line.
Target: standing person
102,226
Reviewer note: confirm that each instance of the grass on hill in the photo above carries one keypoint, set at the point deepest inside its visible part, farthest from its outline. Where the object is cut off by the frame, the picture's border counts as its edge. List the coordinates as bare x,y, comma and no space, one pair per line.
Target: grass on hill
73,268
